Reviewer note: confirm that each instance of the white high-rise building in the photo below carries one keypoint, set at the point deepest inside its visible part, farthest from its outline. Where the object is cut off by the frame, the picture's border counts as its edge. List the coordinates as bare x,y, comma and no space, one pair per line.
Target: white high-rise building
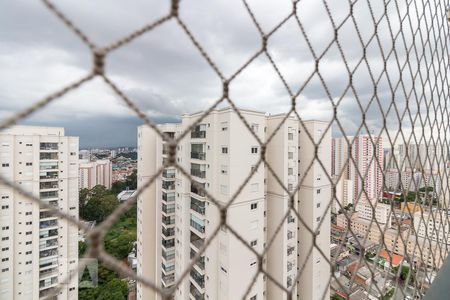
367,170
344,193
38,250
97,172
175,217
340,157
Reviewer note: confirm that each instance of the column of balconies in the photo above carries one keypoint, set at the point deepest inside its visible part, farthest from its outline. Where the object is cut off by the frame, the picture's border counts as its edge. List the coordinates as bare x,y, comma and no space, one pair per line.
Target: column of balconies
168,221
48,223
198,210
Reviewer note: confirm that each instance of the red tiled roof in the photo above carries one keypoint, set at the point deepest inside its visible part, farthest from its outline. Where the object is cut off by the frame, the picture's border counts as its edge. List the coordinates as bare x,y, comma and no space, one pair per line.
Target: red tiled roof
396,259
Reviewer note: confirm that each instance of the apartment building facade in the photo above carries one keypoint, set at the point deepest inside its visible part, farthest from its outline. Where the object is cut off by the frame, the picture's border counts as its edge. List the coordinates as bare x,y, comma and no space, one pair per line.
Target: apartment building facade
415,248
38,250
219,154
92,173
362,163
432,225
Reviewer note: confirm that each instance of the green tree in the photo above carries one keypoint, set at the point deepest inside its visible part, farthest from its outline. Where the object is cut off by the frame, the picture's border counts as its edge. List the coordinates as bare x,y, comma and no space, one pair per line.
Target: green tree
129,183
83,198
81,248
120,246
99,204
115,289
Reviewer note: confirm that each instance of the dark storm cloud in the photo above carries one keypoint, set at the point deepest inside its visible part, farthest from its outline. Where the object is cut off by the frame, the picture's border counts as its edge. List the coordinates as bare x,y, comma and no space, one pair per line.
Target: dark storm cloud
165,75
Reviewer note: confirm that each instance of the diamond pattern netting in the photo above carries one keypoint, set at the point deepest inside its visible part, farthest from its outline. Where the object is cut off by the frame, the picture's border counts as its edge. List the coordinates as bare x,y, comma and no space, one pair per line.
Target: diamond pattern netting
410,41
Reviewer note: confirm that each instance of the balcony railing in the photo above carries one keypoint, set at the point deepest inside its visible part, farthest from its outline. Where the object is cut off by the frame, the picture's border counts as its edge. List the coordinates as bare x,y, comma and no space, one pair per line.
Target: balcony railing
168,268
168,243
43,166
48,156
169,232
168,279
168,255
46,214
48,175
168,185
46,224
47,253
48,195
48,185
198,173
290,250
48,146
194,292
48,272
168,197
198,227
198,206
199,279
200,262
197,191
168,220
168,209
198,155
48,282
49,233
198,134
48,243
168,174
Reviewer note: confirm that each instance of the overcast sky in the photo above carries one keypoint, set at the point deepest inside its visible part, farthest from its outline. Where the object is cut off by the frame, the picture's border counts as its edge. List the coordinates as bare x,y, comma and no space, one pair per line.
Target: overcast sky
164,74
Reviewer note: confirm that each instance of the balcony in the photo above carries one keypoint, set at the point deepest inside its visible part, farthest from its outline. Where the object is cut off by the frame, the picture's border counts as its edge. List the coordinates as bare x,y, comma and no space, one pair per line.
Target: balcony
48,146
290,234
44,166
198,278
169,134
198,155
48,185
48,294
200,262
290,250
198,170
46,224
48,273
195,293
289,281
169,174
48,233
48,156
168,280
168,268
168,220
51,195
48,263
47,283
48,253
197,224
168,197
168,255
46,215
168,185
46,175
168,243
168,232
196,190
198,134
48,243
198,206
168,208
198,173
196,241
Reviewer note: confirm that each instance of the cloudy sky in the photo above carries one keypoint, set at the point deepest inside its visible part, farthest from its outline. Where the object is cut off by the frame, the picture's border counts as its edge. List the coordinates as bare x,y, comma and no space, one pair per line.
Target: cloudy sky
165,75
